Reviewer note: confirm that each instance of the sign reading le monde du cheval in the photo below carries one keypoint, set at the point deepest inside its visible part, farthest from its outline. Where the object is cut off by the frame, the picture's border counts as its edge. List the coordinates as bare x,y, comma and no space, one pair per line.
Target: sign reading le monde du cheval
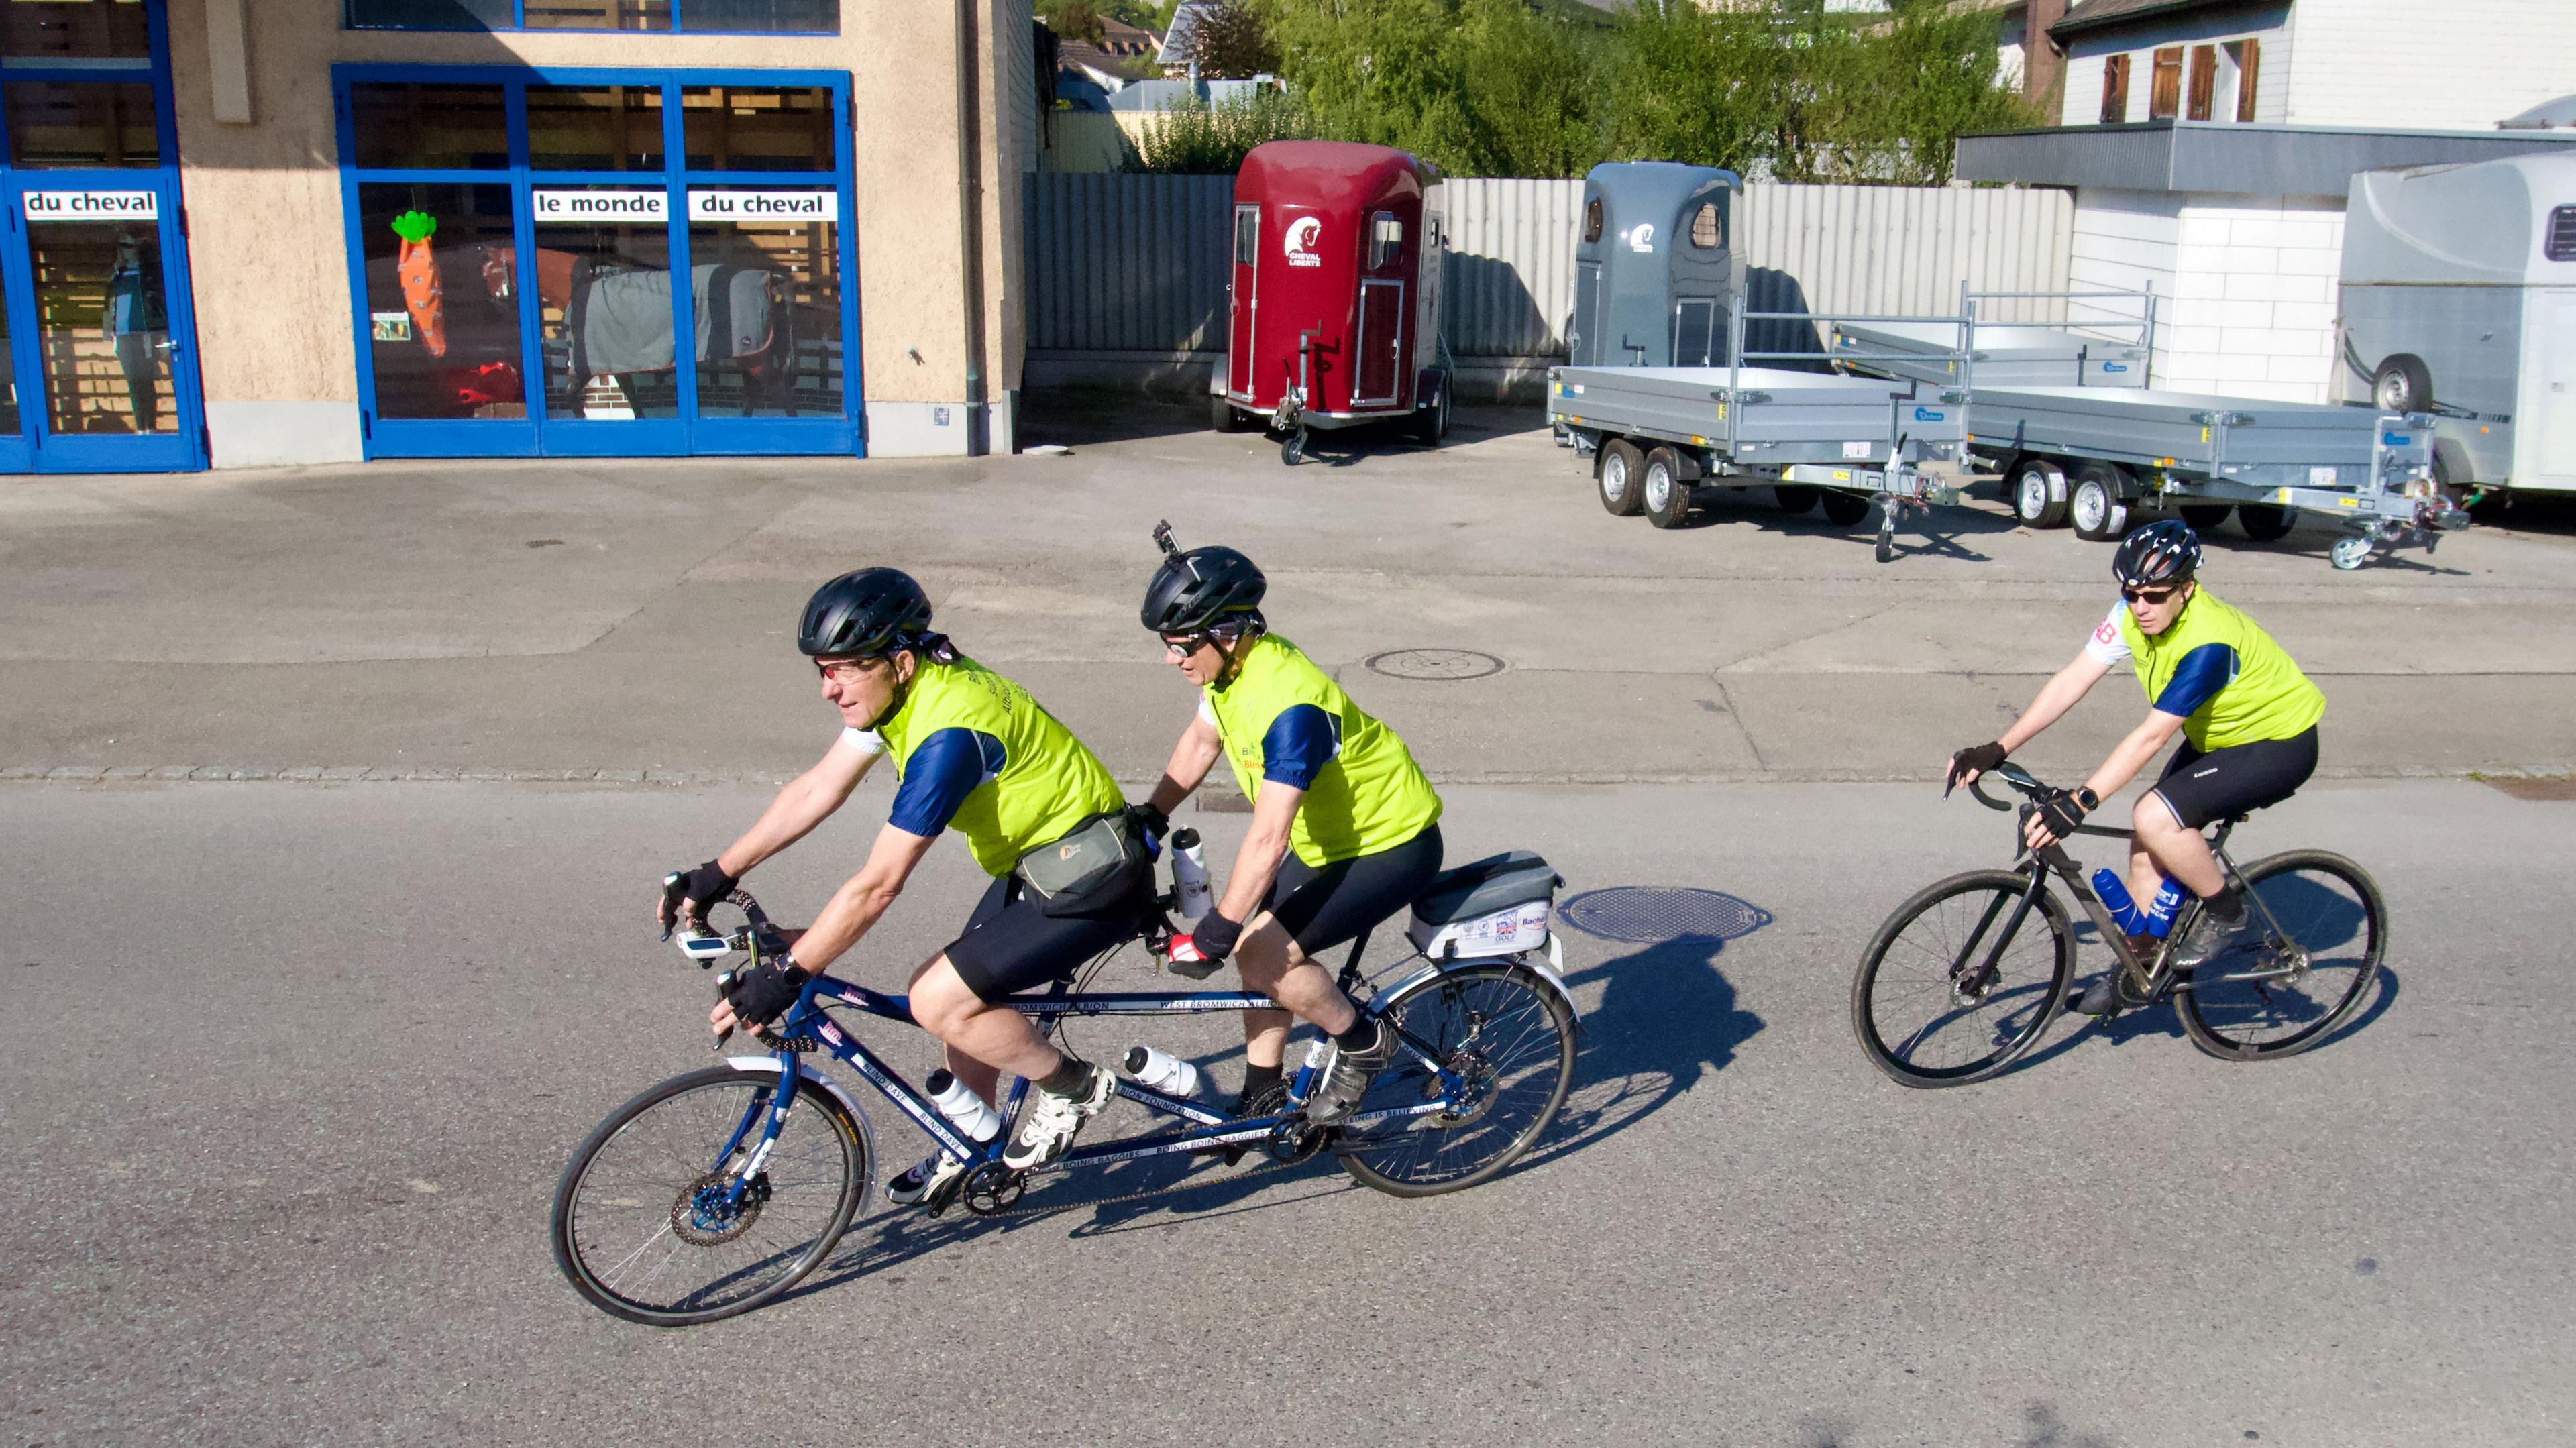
93,206
740,207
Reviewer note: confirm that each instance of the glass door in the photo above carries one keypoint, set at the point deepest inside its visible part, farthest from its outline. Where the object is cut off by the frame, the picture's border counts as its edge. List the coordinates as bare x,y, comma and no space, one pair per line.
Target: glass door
93,285
592,263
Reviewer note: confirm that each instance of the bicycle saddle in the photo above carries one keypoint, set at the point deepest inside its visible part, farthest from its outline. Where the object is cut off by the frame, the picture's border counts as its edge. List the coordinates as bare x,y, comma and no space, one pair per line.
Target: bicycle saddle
1497,882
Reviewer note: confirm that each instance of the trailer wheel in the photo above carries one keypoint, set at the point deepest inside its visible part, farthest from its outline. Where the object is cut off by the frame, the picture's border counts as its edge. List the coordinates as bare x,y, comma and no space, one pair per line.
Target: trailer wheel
1430,421
1844,509
1667,497
2039,494
2093,504
2402,384
1224,416
2204,516
1622,476
1794,499
2265,523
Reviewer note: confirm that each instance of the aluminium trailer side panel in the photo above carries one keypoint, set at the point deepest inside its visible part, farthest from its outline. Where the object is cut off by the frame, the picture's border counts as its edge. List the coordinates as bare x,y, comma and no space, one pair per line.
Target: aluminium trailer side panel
1762,416
2231,439
2000,354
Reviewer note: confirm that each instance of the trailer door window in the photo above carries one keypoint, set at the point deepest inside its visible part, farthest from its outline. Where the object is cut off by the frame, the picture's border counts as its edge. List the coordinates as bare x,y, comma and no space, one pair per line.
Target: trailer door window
1706,231
1247,235
1592,219
2562,233
1386,239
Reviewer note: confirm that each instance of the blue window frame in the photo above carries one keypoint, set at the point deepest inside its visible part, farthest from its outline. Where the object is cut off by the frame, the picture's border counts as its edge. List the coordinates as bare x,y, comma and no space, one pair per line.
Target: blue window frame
533,252
696,17
104,373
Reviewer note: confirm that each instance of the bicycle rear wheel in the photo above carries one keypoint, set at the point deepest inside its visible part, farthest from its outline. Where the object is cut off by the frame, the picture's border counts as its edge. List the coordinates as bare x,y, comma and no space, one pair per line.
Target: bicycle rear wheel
2267,995
640,1227
1952,989
1504,1029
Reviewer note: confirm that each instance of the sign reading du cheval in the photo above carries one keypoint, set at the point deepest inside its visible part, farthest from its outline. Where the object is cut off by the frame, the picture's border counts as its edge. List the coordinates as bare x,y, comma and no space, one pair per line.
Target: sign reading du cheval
93,206
756,206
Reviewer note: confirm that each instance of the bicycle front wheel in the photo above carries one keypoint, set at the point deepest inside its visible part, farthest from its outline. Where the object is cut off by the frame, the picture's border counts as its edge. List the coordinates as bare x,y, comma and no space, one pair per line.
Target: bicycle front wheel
647,1226
2299,969
1502,1030
1961,979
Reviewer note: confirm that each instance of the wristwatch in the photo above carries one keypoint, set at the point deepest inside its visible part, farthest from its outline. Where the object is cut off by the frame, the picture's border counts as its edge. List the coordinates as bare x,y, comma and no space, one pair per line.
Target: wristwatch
2085,796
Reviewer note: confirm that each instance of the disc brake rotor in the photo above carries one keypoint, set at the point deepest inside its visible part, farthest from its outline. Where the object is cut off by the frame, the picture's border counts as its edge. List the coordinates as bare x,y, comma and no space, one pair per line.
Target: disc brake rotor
701,1217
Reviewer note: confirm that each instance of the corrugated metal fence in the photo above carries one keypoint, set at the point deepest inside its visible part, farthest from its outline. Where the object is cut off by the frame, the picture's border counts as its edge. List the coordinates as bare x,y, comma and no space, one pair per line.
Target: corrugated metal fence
1127,273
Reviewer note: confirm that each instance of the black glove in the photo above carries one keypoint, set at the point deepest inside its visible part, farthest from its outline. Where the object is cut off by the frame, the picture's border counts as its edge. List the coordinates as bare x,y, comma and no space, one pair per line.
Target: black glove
1150,824
1215,936
764,992
1980,757
698,888
2063,809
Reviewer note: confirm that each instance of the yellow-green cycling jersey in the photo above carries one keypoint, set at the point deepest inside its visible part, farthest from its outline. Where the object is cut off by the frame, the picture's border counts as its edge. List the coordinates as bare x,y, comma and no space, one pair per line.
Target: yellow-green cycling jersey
1284,719
978,755
2227,679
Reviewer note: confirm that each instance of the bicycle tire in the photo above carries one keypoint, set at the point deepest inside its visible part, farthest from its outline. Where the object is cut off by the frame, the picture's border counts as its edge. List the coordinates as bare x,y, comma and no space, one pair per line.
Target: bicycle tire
601,1285
2220,1015
2034,1012
1428,1155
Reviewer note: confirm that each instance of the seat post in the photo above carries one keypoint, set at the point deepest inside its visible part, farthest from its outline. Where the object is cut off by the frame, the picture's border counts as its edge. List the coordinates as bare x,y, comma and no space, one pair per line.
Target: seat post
1351,964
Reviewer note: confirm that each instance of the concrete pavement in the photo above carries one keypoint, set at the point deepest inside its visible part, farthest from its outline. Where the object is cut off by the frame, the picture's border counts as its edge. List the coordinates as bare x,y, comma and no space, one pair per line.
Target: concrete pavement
634,617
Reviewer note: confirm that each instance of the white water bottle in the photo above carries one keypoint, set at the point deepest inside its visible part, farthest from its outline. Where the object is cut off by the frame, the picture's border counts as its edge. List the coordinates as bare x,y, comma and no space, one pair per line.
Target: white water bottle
964,1109
1190,894
1165,1073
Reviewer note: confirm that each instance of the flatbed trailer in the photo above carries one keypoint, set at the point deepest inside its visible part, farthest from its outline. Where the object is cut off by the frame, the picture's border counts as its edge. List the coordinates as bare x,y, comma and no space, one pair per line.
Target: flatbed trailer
1655,434
2095,448
2088,455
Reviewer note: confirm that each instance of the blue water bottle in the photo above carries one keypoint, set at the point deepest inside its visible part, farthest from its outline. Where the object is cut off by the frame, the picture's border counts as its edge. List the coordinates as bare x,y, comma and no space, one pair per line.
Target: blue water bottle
2156,921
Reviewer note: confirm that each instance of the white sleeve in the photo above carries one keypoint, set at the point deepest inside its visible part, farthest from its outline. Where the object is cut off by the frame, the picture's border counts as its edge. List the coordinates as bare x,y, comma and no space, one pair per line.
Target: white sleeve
869,741
2106,647
1207,711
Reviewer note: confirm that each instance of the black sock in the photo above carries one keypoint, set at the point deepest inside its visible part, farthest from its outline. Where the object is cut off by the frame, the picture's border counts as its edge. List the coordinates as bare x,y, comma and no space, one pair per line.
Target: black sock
1362,1036
1257,1079
2228,905
1068,1077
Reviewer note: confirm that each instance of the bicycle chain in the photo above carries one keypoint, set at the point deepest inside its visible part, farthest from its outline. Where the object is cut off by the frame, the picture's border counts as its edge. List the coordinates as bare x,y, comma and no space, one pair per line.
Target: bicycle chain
958,1202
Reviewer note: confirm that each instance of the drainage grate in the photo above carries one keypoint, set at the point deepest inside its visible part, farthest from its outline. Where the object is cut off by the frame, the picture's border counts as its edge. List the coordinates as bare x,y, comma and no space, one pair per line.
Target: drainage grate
1644,915
1433,665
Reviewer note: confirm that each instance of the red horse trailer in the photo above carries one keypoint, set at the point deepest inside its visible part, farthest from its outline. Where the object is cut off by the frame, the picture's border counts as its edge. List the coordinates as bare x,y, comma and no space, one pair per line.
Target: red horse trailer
1334,306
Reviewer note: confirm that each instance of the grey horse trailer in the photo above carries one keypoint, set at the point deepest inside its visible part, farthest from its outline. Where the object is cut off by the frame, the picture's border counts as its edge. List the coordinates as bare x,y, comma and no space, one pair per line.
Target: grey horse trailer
1655,268
2459,299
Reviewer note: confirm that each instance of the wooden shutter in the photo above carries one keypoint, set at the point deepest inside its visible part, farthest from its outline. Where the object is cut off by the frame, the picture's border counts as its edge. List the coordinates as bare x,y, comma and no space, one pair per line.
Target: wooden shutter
2164,99
2249,64
2204,82
2115,89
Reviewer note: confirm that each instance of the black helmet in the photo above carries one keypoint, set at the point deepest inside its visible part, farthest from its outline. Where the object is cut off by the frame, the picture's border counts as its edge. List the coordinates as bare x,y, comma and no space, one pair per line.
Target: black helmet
2164,552
1202,589
872,611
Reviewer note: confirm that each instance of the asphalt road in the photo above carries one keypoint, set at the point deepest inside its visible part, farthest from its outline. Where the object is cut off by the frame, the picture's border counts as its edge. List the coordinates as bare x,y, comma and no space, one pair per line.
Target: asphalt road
292,1068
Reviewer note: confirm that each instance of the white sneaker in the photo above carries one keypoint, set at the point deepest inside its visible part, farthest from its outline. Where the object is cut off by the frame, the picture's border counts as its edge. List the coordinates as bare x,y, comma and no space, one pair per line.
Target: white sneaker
924,1179
1052,1121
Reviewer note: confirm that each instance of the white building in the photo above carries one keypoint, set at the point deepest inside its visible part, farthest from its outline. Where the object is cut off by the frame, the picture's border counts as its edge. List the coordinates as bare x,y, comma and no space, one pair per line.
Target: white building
2210,145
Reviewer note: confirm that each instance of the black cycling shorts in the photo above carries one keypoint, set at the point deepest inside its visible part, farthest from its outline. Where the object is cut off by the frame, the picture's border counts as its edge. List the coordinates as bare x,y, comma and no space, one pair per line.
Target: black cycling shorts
2201,787
1323,906
1012,945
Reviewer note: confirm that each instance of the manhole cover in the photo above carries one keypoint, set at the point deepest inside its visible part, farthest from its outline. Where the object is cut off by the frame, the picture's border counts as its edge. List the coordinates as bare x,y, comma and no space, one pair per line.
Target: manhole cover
1641,915
1433,664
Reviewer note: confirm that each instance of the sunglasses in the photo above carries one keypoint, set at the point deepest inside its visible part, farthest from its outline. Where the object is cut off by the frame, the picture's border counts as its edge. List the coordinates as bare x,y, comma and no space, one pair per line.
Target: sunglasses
846,670
2151,596
1185,645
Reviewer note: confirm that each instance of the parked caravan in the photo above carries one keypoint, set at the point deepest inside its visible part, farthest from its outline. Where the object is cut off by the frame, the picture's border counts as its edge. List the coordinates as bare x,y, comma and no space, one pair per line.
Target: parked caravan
1334,303
1656,273
2459,299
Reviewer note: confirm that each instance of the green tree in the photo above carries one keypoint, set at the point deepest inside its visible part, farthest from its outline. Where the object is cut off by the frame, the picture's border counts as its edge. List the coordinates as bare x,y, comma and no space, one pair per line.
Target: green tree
1697,86
1073,20
1231,43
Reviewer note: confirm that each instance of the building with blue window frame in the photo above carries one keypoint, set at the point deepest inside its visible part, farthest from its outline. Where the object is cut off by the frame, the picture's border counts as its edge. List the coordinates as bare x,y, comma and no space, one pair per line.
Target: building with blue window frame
313,231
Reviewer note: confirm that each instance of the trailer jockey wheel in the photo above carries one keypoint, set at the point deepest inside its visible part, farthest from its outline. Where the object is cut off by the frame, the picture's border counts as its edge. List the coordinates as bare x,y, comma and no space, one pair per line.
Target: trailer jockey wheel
2349,553
1292,448
2093,503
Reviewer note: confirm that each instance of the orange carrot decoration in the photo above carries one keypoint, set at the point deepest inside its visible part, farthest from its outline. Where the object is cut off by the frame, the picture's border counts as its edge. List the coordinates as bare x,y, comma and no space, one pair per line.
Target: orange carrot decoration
418,269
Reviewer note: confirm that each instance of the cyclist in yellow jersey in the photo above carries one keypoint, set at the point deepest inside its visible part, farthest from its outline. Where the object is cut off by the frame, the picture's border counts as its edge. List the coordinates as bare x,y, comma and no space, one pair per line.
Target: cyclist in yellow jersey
974,753
1345,828
2248,718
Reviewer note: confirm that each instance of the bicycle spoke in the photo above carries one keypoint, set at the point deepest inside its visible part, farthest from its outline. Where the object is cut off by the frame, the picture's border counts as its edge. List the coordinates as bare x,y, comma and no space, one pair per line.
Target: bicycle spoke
1959,981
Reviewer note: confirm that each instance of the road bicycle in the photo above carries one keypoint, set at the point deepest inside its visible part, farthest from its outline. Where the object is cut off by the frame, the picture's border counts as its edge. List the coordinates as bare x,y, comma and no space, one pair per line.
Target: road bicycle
715,1191
1965,977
